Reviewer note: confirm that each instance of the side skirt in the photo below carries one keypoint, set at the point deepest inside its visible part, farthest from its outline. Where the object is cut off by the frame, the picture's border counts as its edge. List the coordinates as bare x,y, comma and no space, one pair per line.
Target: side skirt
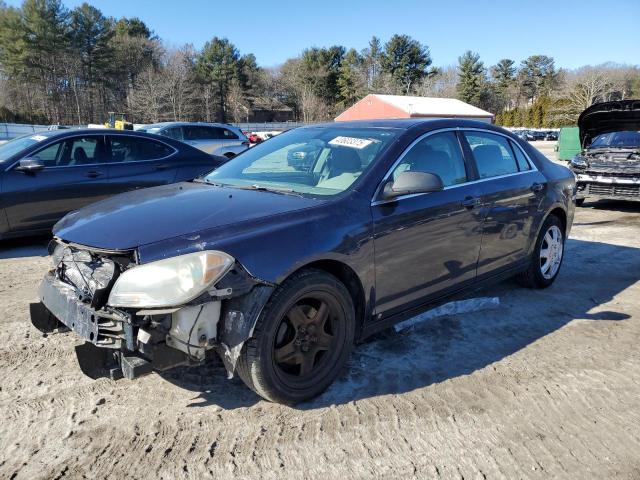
428,303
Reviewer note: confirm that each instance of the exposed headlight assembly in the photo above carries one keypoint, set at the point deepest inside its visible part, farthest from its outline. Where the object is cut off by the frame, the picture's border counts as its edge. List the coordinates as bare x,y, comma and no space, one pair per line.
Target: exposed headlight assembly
579,162
170,282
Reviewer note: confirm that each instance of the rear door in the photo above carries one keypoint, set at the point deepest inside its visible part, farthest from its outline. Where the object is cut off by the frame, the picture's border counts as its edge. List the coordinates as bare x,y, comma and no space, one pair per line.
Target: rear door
75,174
229,138
203,137
511,190
139,162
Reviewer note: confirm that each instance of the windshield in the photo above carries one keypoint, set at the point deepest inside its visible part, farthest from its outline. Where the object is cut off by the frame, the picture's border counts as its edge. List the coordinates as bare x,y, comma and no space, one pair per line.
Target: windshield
314,160
9,149
623,139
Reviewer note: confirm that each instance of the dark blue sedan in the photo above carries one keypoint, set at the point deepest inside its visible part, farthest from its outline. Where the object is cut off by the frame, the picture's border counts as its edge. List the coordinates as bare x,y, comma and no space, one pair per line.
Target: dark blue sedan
46,175
280,270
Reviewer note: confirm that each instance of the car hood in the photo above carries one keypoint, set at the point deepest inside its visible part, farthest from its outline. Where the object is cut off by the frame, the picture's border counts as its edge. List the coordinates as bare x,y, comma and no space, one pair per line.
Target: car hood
150,215
608,117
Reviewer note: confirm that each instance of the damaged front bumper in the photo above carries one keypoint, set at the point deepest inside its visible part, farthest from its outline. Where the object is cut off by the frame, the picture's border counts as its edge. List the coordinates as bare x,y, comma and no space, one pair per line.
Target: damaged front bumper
607,185
138,341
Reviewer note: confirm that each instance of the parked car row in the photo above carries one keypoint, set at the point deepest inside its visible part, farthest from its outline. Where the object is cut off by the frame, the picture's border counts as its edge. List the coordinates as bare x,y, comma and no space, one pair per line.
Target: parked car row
536,135
281,259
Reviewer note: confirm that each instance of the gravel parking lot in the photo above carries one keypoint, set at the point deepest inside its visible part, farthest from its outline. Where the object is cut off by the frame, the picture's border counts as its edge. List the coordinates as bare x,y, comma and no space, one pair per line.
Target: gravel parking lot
546,385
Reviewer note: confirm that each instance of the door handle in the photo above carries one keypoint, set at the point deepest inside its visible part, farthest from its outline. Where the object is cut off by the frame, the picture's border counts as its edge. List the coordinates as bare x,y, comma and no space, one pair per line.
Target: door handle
537,187
470,202
93,174
162,167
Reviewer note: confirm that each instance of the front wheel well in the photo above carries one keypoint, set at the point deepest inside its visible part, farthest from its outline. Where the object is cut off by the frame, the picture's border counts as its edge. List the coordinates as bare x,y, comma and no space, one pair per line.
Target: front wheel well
350,280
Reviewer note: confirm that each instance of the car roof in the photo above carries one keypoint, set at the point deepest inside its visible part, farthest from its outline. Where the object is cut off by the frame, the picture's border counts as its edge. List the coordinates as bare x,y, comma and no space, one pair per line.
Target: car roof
408,123
59,134
182,124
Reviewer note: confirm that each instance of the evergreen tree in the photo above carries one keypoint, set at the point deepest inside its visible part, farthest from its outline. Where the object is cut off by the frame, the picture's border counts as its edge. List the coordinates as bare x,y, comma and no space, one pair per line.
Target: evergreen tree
406,61
537,76
371,58
91,35
350,82
471,78
503,73
218,65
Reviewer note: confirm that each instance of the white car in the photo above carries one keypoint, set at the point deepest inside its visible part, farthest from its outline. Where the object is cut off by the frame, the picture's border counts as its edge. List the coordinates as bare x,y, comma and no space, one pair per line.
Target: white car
214,138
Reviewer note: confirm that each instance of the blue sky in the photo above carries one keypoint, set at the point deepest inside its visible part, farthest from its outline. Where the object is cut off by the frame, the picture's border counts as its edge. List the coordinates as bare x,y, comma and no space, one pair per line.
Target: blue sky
574,32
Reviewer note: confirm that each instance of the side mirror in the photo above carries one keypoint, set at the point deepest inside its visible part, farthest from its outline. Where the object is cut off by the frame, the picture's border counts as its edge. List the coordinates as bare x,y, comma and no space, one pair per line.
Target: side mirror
30,165
413,182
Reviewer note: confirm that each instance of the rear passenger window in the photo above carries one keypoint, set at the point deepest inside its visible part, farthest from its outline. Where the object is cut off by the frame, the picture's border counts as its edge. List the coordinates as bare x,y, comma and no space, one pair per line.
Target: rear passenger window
173,132
132,149
523,164
228,134
197,133
492,153
440,154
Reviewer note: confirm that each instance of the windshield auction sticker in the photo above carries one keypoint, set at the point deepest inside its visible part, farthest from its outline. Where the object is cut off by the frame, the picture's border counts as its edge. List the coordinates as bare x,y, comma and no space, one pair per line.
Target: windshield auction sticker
351,142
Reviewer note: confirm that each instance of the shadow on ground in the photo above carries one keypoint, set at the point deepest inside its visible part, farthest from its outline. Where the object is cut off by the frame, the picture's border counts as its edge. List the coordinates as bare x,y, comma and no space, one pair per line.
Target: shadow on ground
613,205
24,247
447,347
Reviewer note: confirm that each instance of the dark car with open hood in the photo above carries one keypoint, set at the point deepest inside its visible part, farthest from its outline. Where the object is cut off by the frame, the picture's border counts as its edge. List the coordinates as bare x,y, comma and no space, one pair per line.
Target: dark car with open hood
609,165
280,270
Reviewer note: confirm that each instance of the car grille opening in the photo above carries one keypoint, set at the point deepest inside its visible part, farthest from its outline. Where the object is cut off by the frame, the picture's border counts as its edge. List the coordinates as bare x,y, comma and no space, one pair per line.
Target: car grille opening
611,190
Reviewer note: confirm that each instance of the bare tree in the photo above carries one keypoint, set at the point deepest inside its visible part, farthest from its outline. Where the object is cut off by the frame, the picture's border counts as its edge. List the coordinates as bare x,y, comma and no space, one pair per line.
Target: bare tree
177,82
147,98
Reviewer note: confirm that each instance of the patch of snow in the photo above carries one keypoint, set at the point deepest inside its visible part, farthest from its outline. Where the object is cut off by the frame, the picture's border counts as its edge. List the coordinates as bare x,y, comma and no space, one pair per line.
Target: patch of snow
451,308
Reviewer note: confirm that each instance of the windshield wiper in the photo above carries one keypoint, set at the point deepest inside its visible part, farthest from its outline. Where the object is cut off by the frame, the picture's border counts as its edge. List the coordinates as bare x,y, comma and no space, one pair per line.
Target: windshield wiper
262,188
208,182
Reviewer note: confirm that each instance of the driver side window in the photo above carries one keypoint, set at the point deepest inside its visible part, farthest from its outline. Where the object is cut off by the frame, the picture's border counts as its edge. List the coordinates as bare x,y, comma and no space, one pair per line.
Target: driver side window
72,152
439,154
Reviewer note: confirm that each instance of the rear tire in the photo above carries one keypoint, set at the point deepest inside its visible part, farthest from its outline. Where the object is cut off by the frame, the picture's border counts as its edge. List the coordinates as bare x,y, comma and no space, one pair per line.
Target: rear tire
547,256
301,340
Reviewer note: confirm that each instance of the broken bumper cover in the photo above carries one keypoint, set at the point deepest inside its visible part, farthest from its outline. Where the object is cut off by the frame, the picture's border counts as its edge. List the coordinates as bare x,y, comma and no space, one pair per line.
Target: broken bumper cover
161,338
607,186
102,328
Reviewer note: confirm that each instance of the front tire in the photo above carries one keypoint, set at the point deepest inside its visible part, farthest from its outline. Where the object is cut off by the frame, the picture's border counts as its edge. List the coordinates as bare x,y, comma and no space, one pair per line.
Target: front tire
301,340
547,256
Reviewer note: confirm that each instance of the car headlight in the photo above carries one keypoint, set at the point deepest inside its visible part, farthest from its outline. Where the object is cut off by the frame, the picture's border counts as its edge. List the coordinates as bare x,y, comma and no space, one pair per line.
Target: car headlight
170,282
579,162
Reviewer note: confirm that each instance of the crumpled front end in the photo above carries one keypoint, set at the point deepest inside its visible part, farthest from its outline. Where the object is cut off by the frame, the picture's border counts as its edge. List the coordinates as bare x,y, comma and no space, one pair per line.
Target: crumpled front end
607,175
130,341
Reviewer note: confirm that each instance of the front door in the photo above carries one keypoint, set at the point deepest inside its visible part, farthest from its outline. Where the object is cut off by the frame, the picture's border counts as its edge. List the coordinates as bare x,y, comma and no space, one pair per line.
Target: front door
426,244
75,174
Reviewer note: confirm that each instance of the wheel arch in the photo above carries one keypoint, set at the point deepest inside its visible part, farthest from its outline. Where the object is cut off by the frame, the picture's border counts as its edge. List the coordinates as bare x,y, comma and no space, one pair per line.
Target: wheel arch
562,216
557,210
349,279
